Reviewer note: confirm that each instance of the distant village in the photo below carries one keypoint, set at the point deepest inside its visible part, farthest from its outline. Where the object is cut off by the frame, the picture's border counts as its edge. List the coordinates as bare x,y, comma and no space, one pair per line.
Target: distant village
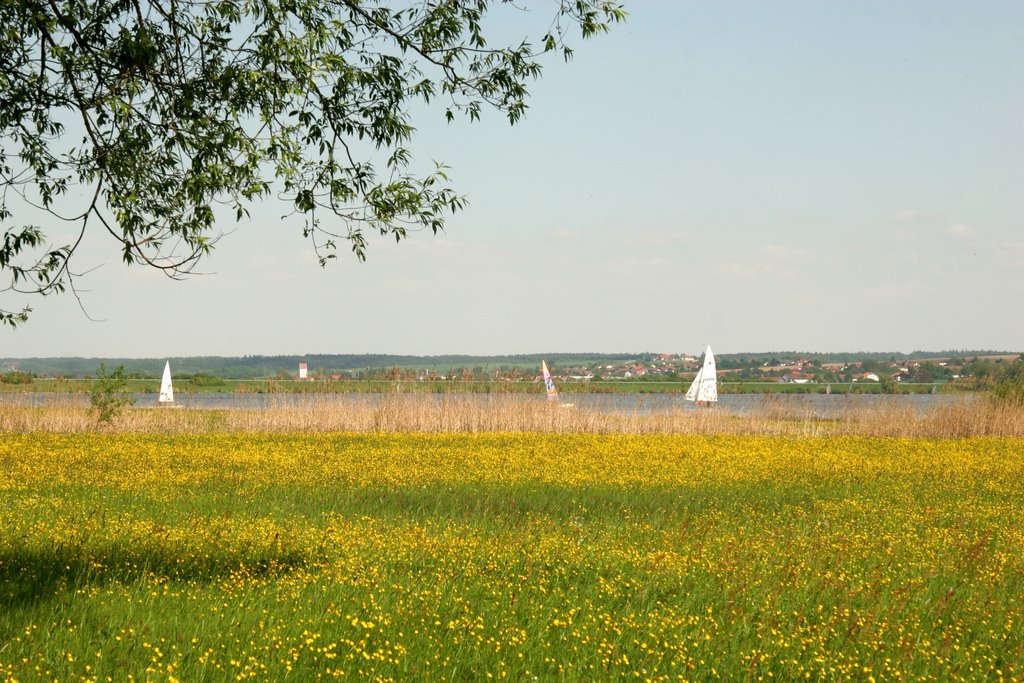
682,367
967,370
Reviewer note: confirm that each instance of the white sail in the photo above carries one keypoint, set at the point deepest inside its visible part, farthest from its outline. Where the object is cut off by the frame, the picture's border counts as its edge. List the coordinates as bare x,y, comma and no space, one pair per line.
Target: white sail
166,388
549,384
705,385
691,393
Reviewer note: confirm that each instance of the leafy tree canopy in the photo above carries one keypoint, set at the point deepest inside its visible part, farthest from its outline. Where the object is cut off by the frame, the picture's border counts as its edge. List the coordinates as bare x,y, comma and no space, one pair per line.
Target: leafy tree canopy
158,112
1010,388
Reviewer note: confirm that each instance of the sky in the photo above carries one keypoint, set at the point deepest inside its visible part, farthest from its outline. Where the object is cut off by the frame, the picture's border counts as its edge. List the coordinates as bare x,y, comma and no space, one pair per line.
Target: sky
755,176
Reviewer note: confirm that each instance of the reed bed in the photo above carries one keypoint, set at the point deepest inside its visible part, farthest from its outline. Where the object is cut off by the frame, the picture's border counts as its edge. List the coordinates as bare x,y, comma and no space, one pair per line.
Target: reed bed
473,413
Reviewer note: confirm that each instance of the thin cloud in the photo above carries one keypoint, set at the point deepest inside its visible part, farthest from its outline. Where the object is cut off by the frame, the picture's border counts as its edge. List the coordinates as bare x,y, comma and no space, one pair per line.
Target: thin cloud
960,231
1011,255
742,269
911,215
904,235
899,291
781,252
567,233
660,238
639,265
770,260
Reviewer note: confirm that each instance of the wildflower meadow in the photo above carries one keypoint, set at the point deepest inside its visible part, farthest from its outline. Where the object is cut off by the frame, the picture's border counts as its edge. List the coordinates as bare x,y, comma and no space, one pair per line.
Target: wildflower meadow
529,556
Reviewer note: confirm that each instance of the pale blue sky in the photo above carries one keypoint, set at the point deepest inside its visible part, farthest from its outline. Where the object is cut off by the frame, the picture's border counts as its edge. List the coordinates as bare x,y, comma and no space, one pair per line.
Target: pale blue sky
754,176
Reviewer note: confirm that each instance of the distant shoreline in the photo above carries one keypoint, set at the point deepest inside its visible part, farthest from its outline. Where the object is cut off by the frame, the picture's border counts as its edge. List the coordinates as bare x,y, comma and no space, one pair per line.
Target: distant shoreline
290,386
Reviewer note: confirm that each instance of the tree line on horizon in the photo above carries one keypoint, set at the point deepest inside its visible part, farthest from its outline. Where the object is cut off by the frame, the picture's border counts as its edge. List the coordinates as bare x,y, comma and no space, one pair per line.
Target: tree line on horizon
259,367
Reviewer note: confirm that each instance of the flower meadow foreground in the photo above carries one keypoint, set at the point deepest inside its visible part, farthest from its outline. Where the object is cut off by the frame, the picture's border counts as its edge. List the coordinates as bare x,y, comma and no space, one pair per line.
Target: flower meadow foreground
499,556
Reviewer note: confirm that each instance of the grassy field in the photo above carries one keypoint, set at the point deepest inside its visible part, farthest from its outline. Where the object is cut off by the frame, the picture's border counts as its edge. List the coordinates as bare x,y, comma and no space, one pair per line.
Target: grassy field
531,556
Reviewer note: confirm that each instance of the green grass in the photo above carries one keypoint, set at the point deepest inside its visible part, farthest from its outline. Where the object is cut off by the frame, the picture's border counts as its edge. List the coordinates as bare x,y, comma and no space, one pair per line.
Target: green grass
460,557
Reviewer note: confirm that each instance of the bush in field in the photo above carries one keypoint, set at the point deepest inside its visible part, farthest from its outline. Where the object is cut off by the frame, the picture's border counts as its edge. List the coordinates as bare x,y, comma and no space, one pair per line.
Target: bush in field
16,377
1010,388
110,393
202,380
888,385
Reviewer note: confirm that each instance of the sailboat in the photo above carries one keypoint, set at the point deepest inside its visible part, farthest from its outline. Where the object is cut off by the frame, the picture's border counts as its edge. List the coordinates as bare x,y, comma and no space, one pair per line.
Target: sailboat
705,385
166,388
549,385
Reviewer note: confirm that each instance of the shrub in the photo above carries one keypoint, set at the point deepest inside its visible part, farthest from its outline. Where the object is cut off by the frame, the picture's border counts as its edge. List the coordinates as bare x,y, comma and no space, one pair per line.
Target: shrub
202,380
110,393
1010,388
16,377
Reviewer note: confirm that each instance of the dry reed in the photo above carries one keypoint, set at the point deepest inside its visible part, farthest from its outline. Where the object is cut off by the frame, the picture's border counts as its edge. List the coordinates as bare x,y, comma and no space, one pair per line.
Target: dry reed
454,413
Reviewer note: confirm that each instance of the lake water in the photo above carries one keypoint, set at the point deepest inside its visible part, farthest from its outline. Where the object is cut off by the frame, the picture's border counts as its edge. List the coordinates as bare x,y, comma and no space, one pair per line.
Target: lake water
643,404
